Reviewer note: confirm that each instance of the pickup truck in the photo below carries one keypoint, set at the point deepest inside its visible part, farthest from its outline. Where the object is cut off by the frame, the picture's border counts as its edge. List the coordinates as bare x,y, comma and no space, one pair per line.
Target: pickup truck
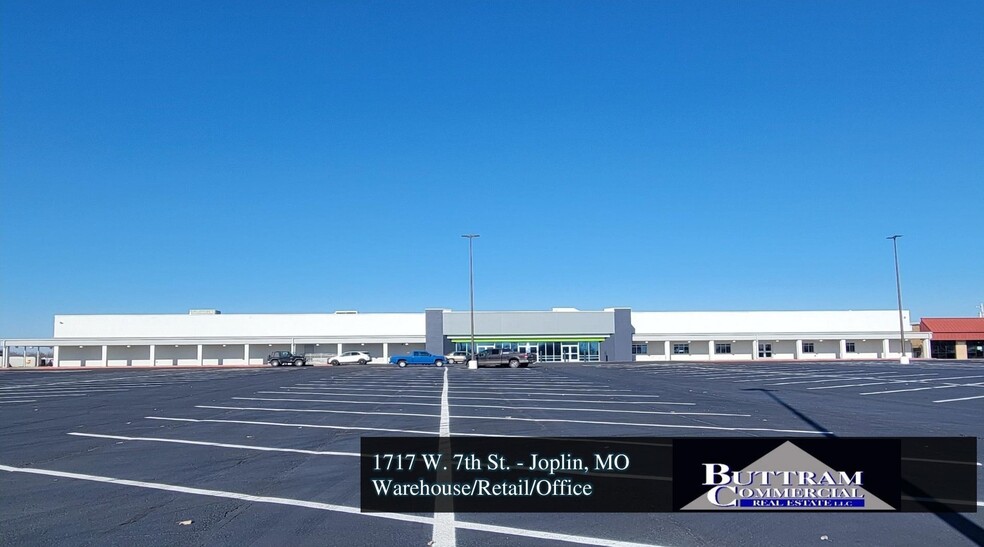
498,358
278,358
418,358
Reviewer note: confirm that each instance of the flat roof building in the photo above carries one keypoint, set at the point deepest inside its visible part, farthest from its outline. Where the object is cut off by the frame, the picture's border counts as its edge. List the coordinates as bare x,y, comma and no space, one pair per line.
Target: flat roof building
559,335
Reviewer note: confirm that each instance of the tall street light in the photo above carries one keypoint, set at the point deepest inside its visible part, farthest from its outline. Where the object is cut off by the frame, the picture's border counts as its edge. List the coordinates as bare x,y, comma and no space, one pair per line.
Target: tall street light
472,363
898,289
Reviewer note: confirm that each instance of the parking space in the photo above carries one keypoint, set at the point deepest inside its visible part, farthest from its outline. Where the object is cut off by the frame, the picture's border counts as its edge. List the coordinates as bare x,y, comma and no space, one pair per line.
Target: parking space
265,456
962,380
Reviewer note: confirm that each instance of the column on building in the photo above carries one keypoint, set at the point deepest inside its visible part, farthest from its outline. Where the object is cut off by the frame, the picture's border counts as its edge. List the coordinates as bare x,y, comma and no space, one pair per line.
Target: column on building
200,355
710,350
153,355
386,349
884,353
841,348
246,354
55,356
666,350
338,350
798,350
755,349
105,355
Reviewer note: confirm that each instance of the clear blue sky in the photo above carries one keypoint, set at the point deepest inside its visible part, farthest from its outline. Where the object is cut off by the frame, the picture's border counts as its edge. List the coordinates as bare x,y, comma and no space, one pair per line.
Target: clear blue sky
660,155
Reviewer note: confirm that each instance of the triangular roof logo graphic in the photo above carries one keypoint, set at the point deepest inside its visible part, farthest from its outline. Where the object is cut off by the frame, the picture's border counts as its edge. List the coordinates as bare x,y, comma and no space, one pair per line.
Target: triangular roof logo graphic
791,458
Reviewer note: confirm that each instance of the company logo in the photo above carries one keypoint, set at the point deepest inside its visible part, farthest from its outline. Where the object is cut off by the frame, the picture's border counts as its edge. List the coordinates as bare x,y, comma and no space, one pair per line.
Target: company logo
785,478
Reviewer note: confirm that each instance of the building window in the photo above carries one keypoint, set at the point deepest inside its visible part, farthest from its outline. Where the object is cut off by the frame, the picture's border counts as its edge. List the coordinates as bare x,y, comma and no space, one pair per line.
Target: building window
722,348
681,349
849,347
640,349
975,349
943,349
808,347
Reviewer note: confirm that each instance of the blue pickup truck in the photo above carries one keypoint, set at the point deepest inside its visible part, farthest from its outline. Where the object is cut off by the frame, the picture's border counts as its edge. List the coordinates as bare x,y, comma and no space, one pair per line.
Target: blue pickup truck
417,358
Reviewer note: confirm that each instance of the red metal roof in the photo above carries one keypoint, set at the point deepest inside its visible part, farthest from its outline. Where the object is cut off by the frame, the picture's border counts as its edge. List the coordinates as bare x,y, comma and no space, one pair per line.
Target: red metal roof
954,328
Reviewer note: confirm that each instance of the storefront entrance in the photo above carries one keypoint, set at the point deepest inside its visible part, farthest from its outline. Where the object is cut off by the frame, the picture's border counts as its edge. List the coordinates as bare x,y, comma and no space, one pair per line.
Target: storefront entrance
568,352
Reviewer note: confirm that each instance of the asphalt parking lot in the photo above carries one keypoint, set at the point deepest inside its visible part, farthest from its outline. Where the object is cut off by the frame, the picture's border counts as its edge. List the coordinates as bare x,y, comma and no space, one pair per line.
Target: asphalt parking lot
270,456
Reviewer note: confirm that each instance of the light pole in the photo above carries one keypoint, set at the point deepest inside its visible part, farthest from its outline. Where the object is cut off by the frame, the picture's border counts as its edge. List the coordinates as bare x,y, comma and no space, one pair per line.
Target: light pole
472,362
898,289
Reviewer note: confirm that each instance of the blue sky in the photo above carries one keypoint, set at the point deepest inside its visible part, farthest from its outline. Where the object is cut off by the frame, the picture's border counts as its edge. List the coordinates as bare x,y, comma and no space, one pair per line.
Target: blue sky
314,156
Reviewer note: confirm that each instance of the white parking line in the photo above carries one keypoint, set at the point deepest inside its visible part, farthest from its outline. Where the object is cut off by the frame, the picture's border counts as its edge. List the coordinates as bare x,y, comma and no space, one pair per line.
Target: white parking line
502,407
524,387
260,409
593,401
43,396
24,401
282,424
632,424
947,386
960,399
444,534
505,530
374,390
607,393
401,403
220,445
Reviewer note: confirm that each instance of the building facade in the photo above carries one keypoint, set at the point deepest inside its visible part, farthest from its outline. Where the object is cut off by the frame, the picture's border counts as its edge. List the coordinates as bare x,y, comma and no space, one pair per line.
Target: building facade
955,337
207,337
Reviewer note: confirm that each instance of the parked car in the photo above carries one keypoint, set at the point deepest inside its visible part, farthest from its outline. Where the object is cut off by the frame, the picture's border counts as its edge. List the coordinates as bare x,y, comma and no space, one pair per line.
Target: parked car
351,357
418,358
278,358
497,358
457,357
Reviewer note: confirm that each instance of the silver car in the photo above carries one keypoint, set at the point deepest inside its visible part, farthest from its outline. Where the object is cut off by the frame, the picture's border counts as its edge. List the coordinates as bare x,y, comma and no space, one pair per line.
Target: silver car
457,357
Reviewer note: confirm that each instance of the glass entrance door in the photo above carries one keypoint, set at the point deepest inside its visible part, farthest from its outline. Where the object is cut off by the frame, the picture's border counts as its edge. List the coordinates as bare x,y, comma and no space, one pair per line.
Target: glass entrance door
568,352
765,350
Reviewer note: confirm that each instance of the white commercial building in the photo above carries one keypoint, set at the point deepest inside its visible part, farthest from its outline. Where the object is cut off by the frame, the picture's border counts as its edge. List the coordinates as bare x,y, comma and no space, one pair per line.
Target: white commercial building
207,337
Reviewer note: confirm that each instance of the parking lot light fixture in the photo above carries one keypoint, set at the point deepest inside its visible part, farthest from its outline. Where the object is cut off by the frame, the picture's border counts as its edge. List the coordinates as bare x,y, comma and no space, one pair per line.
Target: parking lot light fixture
903,359
472,362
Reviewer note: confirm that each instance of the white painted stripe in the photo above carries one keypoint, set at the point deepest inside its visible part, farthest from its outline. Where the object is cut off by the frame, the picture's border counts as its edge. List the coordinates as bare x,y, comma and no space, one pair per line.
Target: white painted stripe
24,401
401,403
592,401
482,392
959,399
948,386
939,461
444,534
505,530
814,381
445,427
79,389
503,407
220,445
851,385
46,396
282,424
632,424
374,390
260,409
